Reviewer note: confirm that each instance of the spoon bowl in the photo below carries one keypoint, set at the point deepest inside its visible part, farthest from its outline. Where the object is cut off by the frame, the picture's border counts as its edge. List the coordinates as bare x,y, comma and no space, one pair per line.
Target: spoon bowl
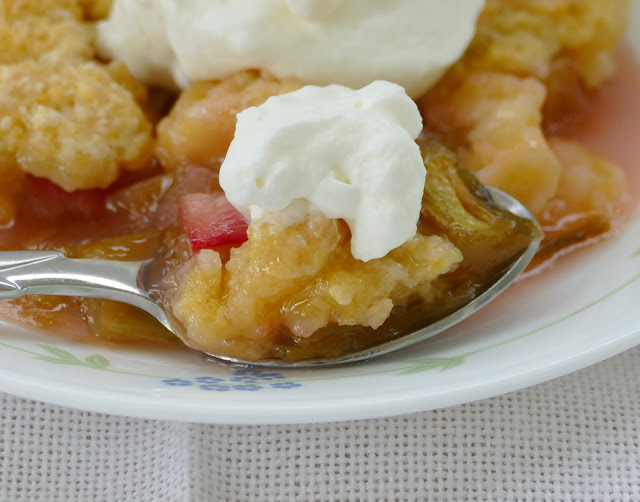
52,273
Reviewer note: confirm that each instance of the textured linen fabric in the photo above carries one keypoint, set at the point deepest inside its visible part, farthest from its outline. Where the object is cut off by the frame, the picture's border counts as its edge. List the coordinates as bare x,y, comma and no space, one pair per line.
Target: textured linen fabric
575,438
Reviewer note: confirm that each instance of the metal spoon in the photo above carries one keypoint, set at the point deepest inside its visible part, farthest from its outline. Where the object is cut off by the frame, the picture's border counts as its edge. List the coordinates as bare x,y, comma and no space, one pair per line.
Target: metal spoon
51,273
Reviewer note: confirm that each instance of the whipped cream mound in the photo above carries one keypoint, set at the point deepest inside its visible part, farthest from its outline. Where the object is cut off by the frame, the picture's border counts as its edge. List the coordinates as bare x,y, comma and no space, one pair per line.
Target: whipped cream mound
346,154
321,42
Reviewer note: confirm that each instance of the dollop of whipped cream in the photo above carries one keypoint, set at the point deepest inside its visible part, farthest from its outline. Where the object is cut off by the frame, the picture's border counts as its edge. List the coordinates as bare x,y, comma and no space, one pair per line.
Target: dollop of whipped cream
321,42
346,154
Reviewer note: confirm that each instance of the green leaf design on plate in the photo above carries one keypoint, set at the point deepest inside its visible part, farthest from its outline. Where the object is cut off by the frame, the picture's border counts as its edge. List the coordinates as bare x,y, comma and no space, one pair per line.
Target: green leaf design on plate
61,355
637,253
97,362
433,363
58,361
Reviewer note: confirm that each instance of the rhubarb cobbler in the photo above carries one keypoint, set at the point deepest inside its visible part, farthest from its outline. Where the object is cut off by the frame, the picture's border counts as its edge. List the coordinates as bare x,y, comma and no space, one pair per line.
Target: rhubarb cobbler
309,175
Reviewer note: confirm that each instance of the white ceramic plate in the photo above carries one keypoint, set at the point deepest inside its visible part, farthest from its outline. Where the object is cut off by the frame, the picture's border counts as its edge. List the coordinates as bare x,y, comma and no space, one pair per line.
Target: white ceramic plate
584,312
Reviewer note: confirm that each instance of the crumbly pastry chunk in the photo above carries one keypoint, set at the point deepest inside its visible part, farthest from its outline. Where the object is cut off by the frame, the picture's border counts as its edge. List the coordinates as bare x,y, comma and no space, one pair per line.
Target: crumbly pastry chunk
55,9
589,184
201,125
47,30
12,9
71,124
524,37
496,122
303,278
64,117
498,119
490,105
60,41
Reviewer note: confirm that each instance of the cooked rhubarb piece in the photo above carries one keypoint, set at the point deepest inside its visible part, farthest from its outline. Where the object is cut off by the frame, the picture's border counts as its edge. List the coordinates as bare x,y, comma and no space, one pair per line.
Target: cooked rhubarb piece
116,322
212,221
47,201
120,323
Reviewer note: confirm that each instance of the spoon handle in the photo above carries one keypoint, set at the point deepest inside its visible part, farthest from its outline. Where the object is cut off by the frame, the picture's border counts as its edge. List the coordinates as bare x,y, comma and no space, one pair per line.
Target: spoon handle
52,273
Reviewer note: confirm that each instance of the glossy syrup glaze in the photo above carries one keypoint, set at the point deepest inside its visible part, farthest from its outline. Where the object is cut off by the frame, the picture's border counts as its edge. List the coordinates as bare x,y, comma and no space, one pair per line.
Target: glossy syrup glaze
607,123
612,128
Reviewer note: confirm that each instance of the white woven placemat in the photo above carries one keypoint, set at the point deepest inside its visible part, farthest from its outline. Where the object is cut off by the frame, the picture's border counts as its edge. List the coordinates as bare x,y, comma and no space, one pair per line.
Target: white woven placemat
576,438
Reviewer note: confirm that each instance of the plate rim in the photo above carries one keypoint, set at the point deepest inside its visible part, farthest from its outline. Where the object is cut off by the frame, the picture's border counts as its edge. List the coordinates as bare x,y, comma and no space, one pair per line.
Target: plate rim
378,405
372,405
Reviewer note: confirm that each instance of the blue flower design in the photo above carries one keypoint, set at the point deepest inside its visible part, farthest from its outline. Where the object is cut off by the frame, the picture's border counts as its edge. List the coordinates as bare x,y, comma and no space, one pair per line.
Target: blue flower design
247,379
242,379
285,385
248,387
273,376
177,382
246,371
217,388
207,379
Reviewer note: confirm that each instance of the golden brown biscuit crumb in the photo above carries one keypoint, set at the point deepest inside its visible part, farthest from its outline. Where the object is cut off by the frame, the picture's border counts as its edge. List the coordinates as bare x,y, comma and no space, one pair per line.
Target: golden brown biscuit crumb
490,105
62,116
497,121
523,37
202,123
54,9
71,124
51,41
